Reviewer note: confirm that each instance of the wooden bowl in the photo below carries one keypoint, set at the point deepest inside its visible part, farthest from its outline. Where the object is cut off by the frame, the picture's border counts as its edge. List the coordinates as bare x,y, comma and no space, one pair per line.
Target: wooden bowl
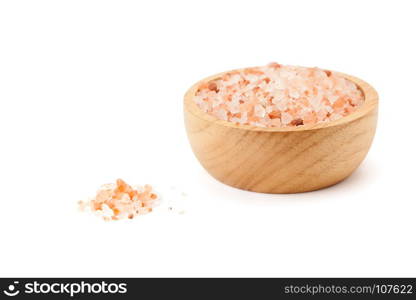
282,160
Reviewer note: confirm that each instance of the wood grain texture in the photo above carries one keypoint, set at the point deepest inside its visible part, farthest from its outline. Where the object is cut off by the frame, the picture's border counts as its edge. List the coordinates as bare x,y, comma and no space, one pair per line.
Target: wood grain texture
282,160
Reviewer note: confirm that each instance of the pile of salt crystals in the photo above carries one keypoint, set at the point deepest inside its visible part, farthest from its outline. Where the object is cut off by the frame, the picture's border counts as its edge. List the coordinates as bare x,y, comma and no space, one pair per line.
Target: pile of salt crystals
120,201
279,96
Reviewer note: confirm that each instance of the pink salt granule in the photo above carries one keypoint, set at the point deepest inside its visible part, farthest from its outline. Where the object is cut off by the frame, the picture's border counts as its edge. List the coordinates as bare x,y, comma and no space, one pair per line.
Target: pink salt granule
120,200
279,96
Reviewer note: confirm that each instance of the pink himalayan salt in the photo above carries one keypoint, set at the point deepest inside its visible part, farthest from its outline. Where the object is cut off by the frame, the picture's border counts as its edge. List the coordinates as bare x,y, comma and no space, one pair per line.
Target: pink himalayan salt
120,200
279,96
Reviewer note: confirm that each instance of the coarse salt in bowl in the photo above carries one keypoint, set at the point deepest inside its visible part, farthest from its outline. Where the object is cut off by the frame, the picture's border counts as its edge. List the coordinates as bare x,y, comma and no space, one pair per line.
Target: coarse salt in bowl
279,96
280,129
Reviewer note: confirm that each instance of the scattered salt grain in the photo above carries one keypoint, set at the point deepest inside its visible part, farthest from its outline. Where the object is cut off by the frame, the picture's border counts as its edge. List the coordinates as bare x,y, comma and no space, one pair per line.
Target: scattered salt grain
120,200
279,96
177,203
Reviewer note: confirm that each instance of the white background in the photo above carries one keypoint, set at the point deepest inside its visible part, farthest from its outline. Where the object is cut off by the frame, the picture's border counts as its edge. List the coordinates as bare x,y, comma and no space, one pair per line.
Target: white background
92,90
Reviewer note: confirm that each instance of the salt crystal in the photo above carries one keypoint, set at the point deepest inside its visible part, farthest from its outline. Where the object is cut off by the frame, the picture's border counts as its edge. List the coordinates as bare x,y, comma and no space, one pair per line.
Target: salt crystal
286,118
259,111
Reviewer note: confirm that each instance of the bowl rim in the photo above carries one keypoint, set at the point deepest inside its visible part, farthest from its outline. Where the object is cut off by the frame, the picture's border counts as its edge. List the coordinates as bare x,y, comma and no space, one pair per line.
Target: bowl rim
370,103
